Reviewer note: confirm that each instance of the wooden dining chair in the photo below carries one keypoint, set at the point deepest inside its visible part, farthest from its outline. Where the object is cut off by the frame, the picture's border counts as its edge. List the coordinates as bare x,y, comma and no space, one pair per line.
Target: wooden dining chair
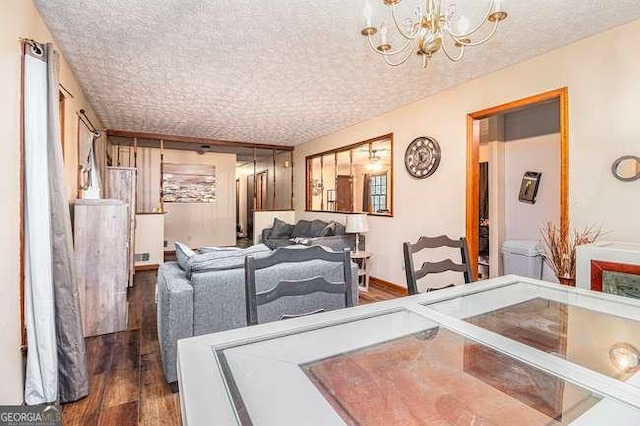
427,268
296,287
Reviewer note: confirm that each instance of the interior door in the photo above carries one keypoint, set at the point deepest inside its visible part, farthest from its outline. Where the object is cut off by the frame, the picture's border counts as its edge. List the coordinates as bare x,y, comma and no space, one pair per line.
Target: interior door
261,195
344,193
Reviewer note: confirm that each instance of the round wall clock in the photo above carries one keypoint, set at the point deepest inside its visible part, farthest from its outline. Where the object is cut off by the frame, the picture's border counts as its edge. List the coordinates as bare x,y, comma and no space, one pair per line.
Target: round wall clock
422,157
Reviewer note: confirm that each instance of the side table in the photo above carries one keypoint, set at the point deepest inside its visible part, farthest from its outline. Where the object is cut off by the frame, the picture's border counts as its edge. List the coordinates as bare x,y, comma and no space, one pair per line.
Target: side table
362,258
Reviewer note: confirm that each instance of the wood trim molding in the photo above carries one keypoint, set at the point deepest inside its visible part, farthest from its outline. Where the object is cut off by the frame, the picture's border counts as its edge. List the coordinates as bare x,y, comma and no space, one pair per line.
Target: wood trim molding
388,286
351,146
391,182
564,160
347,212
307,186
473,195
473,154
519,104
152,267
599,266
321,155
193,140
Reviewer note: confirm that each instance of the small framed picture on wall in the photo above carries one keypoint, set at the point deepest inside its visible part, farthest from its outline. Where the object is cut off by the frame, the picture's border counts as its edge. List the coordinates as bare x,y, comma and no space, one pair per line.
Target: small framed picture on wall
529,187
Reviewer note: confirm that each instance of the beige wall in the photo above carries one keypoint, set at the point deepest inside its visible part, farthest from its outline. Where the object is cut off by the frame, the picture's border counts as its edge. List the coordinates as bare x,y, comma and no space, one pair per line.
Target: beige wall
195,224
601,73
18,18
532,143
204,224
71,123
149,238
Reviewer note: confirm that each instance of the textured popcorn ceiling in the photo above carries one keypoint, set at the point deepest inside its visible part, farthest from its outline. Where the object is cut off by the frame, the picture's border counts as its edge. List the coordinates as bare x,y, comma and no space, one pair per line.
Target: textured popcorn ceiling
279,71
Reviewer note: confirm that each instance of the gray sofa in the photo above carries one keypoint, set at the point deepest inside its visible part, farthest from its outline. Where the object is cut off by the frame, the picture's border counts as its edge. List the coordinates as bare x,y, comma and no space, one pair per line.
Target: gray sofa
194,300
312,233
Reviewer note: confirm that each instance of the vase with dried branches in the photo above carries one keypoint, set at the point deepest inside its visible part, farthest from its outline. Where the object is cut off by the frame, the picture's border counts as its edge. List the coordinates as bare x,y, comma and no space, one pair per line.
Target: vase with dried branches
560,249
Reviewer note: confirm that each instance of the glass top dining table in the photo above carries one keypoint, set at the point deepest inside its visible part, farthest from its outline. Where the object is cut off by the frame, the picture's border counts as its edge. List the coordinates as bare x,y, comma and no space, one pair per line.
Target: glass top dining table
504,351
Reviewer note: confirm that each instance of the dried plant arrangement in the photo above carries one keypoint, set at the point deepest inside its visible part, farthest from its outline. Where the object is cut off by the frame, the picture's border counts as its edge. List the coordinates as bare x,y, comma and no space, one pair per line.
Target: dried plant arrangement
561,247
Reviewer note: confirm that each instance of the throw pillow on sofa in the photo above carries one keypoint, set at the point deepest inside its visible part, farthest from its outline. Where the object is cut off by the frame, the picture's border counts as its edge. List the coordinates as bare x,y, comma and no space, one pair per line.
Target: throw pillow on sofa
329,230
316,228
301,229
280,230
183,253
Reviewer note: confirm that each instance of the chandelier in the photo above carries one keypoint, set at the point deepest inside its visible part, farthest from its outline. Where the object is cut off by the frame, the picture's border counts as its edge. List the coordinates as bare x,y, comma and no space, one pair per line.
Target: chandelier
424,32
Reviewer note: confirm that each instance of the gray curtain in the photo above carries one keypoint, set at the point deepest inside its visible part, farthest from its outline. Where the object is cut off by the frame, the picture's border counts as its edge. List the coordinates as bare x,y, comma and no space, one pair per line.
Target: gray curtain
90,175
73,382
41,376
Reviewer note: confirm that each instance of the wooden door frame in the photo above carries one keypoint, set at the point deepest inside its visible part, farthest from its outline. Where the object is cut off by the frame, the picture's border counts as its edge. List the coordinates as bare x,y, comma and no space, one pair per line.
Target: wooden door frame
262,182
473,157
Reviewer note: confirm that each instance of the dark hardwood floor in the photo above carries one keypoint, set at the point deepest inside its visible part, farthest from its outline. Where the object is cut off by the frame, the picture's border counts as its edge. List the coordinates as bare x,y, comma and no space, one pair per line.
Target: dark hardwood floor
376,295
127,385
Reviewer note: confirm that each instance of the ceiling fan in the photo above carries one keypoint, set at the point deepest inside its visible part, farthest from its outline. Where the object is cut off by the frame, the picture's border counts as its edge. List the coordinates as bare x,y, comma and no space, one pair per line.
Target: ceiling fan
373,156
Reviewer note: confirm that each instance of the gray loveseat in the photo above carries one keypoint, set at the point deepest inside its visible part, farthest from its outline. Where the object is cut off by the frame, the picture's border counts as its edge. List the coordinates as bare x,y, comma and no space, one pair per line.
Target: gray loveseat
209,295
312,233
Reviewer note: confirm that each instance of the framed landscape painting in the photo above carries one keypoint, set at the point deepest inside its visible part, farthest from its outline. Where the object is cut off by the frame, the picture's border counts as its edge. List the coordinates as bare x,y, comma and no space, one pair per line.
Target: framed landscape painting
188,183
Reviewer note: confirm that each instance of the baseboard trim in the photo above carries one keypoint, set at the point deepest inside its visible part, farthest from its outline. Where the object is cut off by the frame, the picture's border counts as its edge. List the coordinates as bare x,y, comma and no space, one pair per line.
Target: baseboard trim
152,267
388,286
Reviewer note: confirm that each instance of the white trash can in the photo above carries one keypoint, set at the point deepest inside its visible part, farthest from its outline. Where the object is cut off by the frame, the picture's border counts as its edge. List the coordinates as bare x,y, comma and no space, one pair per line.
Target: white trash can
522,257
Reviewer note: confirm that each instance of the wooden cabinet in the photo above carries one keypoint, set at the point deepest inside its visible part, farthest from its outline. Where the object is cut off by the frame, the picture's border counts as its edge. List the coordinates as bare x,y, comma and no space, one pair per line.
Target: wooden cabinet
121,185
100,239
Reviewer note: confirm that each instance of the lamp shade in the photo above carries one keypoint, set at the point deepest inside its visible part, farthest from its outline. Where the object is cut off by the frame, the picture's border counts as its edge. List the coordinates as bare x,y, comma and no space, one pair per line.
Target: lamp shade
357,223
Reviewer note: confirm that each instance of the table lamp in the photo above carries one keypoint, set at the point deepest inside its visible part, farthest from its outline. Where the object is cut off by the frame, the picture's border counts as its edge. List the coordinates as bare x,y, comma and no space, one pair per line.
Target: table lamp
356,224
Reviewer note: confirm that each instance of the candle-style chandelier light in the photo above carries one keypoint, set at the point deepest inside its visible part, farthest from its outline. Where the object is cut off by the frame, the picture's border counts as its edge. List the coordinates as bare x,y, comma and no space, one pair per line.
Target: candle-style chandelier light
424,32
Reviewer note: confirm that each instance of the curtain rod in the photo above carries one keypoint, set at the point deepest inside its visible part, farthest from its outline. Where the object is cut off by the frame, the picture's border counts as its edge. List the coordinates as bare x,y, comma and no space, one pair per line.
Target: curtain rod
66,90
31,42
38,50
85,120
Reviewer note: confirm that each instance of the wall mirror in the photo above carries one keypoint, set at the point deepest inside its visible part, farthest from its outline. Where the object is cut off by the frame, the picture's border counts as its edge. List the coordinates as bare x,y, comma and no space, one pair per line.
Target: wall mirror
626,168
354,178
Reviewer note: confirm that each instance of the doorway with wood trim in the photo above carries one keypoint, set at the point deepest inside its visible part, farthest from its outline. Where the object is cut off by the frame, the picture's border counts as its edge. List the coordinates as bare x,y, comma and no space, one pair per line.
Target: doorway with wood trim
479,194
344,190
